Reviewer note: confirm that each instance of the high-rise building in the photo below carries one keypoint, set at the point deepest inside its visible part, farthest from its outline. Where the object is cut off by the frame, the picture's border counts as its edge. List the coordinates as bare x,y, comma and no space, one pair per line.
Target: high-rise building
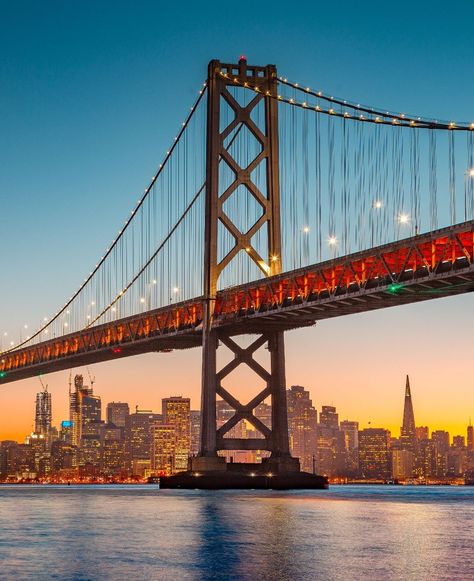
440,439
163,449
408,439
117,413
470,437
177,412
350,434
302,420
138,437
195,418
84,408
374,454
112,462
402,464
43,413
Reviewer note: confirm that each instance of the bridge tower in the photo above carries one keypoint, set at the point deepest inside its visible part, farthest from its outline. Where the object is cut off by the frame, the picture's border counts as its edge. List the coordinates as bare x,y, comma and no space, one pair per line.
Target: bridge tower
220,78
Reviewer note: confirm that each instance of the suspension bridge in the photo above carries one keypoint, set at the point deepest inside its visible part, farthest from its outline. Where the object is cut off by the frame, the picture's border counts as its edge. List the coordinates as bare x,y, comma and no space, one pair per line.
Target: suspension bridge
275,206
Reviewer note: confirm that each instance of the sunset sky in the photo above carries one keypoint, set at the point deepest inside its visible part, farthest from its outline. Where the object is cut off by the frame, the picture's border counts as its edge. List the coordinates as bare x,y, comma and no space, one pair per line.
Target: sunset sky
91,95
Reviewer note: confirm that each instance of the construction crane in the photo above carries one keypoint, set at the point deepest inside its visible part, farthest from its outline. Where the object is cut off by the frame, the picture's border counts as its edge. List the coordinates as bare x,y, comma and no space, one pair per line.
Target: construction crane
45,387
91,379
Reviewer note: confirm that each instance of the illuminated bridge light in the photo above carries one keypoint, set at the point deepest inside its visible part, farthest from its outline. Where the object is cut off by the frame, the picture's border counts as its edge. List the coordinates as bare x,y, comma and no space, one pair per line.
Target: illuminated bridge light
394,288
117,350
3,374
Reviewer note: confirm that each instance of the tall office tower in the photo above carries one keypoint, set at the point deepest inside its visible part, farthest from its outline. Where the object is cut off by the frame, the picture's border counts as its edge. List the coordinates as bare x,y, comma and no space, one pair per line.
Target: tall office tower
195,417
117,413
177,412
350,435
440,439
402,464
76,396
164,451
374,454
408,439
427,458
470,437
330,443
328,417
302,419
43,413
138,439
112,460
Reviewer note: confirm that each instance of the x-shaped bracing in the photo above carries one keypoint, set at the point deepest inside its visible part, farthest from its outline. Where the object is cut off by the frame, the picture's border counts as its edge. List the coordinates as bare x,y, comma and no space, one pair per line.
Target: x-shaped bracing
244,355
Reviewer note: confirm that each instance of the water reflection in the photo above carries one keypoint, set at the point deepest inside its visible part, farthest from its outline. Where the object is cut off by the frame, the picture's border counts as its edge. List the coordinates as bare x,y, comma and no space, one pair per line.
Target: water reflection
108,533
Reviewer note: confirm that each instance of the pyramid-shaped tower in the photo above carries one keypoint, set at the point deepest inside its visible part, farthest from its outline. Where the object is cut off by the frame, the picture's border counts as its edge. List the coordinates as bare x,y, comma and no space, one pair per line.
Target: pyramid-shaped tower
408,439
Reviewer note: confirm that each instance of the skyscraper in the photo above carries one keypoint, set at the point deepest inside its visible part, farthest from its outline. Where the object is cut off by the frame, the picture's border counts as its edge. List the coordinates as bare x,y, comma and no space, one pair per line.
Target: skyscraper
138,439
177,412
470,437
84,409
302,419
163,455
408,439
374,453
43,413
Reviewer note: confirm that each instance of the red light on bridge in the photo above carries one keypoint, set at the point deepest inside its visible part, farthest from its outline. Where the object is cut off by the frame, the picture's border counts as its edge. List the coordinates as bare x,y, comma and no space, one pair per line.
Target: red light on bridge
117,350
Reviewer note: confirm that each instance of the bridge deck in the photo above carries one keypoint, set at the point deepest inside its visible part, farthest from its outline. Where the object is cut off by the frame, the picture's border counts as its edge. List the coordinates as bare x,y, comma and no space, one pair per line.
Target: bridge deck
424,267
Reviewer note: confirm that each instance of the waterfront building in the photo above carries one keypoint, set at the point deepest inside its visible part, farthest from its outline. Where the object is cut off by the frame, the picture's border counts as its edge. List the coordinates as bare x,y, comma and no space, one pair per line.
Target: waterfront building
163,449
402,464
374,454
177,412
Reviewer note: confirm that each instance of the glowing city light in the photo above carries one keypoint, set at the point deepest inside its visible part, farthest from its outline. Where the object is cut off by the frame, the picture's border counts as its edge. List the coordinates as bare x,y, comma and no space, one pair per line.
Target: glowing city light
332,240
403,218
378,204
305,229
142,300
470,172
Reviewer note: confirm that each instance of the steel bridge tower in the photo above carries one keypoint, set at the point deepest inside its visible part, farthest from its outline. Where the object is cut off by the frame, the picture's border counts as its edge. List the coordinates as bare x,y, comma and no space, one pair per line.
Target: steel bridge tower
220,78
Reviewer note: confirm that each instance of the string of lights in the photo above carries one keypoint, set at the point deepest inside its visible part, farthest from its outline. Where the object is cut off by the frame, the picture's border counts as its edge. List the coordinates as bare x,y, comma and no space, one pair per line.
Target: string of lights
116,246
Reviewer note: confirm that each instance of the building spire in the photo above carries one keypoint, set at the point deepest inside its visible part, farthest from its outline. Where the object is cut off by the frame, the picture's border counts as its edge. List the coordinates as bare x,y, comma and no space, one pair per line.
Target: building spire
408,431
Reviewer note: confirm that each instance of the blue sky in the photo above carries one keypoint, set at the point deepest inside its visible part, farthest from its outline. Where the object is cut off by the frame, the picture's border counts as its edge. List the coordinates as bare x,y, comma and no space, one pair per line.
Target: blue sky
92,93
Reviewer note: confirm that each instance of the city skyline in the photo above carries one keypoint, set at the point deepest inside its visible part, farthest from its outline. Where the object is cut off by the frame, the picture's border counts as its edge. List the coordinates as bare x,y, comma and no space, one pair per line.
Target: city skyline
398,428
112,442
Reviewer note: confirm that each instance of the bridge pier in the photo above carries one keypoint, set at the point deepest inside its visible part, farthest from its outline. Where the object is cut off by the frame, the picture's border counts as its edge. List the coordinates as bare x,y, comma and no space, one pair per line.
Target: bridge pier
275,438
